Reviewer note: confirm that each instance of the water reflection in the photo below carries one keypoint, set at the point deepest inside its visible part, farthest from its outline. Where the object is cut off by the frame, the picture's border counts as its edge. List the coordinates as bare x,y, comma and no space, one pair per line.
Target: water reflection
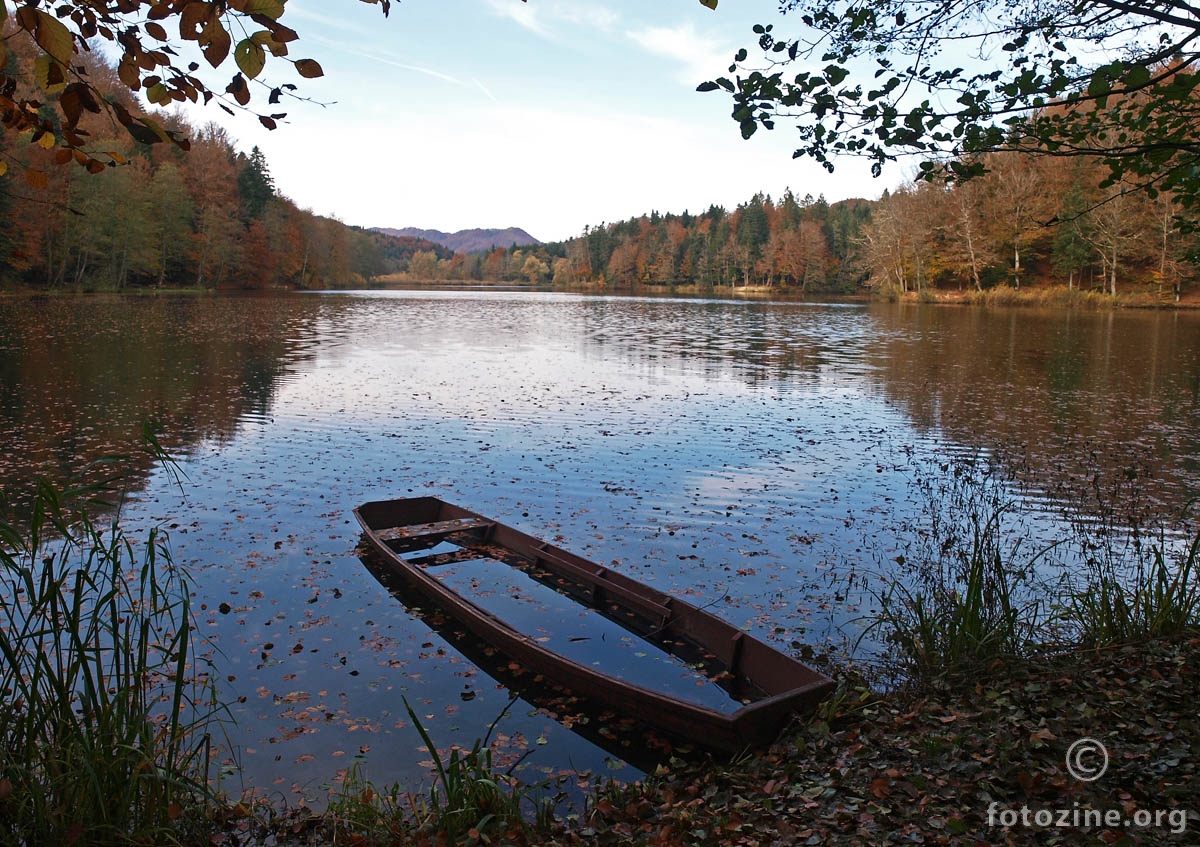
733,453
78,375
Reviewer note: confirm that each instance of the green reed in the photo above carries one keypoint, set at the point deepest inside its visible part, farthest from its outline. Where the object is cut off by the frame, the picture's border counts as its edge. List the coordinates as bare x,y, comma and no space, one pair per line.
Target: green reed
103,725
471,801
975,587
968,605
1157,596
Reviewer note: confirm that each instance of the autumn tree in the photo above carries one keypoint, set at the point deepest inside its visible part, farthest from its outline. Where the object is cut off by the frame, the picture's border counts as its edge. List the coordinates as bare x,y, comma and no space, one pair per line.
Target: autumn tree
1019,203
423,265
170,210
534,269
212,178
968,251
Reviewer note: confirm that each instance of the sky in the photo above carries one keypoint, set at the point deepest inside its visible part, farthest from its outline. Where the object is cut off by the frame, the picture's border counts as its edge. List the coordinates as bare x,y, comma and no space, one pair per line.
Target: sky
550,115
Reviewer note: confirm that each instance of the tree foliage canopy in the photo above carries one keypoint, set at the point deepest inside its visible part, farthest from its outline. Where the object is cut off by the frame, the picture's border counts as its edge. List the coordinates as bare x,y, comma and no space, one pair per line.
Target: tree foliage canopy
149,36
1113,81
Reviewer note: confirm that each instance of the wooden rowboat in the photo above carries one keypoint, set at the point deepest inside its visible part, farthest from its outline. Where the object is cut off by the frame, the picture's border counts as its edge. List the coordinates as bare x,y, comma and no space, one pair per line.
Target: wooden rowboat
419,536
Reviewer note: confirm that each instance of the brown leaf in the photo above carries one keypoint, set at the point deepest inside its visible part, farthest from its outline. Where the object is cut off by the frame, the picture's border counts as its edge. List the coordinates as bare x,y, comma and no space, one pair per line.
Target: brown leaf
309,68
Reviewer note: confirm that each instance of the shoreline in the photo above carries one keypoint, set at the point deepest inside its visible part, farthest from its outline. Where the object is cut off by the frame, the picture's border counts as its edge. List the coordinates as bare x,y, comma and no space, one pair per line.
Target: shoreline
1055,297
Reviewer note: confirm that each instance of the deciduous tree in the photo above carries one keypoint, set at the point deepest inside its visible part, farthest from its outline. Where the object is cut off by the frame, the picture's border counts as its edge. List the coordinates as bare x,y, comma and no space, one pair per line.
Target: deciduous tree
950,80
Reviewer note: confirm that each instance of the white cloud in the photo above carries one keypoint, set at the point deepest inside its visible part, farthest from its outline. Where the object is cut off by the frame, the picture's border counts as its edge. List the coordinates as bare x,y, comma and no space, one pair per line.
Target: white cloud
326,21
702,57
542,18
386,57
592,17
522,14
485,90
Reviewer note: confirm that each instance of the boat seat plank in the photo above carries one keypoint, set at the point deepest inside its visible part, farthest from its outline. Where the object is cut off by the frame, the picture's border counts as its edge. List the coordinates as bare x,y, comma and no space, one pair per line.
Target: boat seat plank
435,560
424,530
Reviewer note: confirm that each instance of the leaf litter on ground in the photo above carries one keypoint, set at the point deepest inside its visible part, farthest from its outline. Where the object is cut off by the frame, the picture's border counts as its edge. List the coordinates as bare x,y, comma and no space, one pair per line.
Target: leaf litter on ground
932,764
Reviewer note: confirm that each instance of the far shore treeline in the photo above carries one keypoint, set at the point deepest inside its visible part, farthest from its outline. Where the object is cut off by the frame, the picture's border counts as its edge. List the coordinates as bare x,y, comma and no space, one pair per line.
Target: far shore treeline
211,217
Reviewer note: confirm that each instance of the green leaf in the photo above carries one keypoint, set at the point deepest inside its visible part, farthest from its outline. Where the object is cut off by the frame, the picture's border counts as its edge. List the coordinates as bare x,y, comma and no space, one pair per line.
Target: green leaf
707,86
1099,85
712,4
250,57
1137,77
835,74
158,95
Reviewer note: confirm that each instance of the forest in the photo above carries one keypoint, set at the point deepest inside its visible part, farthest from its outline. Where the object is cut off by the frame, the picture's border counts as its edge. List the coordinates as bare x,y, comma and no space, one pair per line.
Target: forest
1029,221
211,217
207,217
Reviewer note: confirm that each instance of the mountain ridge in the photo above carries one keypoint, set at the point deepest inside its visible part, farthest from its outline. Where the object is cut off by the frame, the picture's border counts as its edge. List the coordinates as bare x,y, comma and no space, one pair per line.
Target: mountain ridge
467,240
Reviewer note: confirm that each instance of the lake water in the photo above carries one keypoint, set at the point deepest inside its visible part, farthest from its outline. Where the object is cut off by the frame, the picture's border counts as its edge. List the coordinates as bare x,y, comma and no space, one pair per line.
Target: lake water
736,454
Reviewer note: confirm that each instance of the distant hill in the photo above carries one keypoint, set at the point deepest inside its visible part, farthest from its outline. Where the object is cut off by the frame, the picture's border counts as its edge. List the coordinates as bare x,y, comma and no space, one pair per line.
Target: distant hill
468,240
397,250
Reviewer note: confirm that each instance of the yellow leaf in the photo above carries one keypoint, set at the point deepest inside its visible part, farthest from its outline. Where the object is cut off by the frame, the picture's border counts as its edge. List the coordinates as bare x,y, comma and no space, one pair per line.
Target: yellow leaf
45,140
49,32
49,74
158,94
3,167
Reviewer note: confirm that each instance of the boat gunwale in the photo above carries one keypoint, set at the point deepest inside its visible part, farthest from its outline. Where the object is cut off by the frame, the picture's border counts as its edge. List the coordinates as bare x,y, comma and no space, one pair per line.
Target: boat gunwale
812,691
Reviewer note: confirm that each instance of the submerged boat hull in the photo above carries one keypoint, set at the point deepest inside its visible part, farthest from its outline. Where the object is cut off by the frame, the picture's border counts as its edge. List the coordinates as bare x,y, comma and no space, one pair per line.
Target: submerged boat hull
771,684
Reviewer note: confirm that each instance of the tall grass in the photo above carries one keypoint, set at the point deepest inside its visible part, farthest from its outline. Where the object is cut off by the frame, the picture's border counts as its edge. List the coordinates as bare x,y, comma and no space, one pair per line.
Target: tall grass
1155,596
975,586
103,728
967,605
1057,296
471,801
